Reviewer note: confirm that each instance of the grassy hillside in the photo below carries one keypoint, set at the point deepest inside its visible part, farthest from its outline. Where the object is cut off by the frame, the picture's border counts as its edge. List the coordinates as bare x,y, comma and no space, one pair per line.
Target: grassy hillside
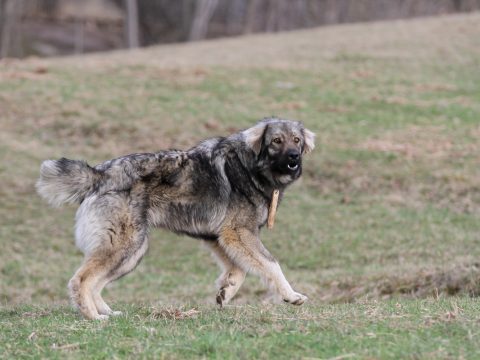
381,233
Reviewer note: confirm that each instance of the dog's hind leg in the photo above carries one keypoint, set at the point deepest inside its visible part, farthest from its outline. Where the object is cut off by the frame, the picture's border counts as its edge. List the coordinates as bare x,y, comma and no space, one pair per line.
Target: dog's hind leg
81,287
101,268
126,262
231,278
112,234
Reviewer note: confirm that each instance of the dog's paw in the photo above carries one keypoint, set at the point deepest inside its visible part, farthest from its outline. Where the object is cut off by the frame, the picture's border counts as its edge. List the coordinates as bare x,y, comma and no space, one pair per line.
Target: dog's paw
220,297
296,299
101,317
116,313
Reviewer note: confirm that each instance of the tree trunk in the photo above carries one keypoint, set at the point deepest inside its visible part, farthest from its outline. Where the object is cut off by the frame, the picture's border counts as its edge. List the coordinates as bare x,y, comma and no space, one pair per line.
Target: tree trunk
203,13
79,36
2,17
236,10
10,30
131,14
252,14
272,16
187,16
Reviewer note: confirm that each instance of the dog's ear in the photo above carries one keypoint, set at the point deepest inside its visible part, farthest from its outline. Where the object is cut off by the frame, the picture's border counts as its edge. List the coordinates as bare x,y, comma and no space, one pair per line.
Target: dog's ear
254,136
309,141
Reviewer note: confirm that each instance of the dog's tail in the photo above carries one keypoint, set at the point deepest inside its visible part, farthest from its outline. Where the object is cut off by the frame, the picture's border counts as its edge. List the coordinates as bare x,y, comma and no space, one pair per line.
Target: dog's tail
66,181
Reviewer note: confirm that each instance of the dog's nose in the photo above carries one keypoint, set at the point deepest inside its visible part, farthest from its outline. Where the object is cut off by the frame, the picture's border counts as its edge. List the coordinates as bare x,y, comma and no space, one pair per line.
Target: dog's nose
293,154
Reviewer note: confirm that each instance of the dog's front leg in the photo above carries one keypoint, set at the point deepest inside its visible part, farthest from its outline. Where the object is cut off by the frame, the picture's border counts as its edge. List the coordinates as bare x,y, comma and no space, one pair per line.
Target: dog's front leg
247,251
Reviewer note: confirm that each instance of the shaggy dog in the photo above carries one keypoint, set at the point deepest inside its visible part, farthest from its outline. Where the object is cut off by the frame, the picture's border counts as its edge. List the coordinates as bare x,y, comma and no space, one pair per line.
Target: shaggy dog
218,191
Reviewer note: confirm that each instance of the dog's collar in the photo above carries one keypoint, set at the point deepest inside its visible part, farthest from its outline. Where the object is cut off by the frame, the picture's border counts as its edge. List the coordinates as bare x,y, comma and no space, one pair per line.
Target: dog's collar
273,209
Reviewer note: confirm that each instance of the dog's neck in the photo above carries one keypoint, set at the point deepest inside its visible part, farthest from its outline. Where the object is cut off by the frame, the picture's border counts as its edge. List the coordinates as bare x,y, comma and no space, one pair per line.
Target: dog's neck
265,182
262,180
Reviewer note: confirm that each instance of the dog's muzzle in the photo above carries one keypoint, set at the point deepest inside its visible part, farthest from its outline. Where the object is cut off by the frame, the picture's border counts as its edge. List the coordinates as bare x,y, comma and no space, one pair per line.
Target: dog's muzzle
293,161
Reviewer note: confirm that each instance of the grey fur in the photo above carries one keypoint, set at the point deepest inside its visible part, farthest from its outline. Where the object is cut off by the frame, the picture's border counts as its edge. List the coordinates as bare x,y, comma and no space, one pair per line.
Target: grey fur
217,191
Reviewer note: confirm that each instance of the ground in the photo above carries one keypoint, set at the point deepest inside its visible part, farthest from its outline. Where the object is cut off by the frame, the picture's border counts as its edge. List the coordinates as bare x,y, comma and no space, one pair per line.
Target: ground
381,233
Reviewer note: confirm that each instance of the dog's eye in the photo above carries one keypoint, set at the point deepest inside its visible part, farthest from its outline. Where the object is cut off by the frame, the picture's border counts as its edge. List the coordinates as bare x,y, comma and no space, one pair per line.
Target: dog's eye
296,140
277,141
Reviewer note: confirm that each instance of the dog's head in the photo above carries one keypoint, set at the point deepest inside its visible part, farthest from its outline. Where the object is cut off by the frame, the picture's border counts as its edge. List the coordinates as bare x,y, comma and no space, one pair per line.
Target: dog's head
280,144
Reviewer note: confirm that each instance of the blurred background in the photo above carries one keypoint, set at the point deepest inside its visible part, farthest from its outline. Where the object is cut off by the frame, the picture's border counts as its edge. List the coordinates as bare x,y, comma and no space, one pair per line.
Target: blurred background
382,231
61,27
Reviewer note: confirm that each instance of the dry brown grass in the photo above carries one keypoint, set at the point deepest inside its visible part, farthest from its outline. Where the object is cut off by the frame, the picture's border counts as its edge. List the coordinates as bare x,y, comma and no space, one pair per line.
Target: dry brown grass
458,279
452,38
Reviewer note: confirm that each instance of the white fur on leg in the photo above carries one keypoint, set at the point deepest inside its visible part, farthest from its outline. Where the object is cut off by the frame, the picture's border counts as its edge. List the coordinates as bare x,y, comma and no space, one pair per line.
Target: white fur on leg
282,285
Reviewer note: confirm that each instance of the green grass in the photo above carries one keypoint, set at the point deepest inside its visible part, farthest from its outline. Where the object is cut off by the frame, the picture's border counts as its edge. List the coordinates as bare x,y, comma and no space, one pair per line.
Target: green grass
434,329
381,233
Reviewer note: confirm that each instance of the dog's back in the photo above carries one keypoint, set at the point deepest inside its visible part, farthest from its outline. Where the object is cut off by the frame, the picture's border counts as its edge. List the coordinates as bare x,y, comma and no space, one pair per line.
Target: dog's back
71,181
183,191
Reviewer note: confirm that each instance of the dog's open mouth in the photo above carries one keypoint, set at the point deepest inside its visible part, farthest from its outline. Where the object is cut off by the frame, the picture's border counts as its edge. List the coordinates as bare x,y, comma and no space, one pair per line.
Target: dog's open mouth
292,166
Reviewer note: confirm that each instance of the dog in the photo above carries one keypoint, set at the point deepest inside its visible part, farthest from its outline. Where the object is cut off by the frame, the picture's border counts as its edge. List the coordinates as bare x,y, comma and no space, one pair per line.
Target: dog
218,191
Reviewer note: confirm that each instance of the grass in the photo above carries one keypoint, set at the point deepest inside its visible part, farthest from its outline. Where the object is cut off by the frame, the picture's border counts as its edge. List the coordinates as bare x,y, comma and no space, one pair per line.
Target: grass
445,328
381,233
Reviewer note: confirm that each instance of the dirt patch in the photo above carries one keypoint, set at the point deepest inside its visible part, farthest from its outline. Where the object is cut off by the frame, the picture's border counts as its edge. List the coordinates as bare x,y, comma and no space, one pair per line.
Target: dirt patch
423,103
413,142
461,279
39,72
427,88
457,196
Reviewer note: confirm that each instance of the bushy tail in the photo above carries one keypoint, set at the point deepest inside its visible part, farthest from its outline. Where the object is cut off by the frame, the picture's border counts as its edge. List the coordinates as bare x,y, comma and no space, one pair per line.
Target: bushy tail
66,181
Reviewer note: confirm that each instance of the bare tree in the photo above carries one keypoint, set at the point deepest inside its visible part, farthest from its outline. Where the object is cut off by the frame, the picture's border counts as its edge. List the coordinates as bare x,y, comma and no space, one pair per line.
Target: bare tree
131,14
204,10
65,26
187,15
253,11
1,25
79,36
272,15
10,31
235,15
